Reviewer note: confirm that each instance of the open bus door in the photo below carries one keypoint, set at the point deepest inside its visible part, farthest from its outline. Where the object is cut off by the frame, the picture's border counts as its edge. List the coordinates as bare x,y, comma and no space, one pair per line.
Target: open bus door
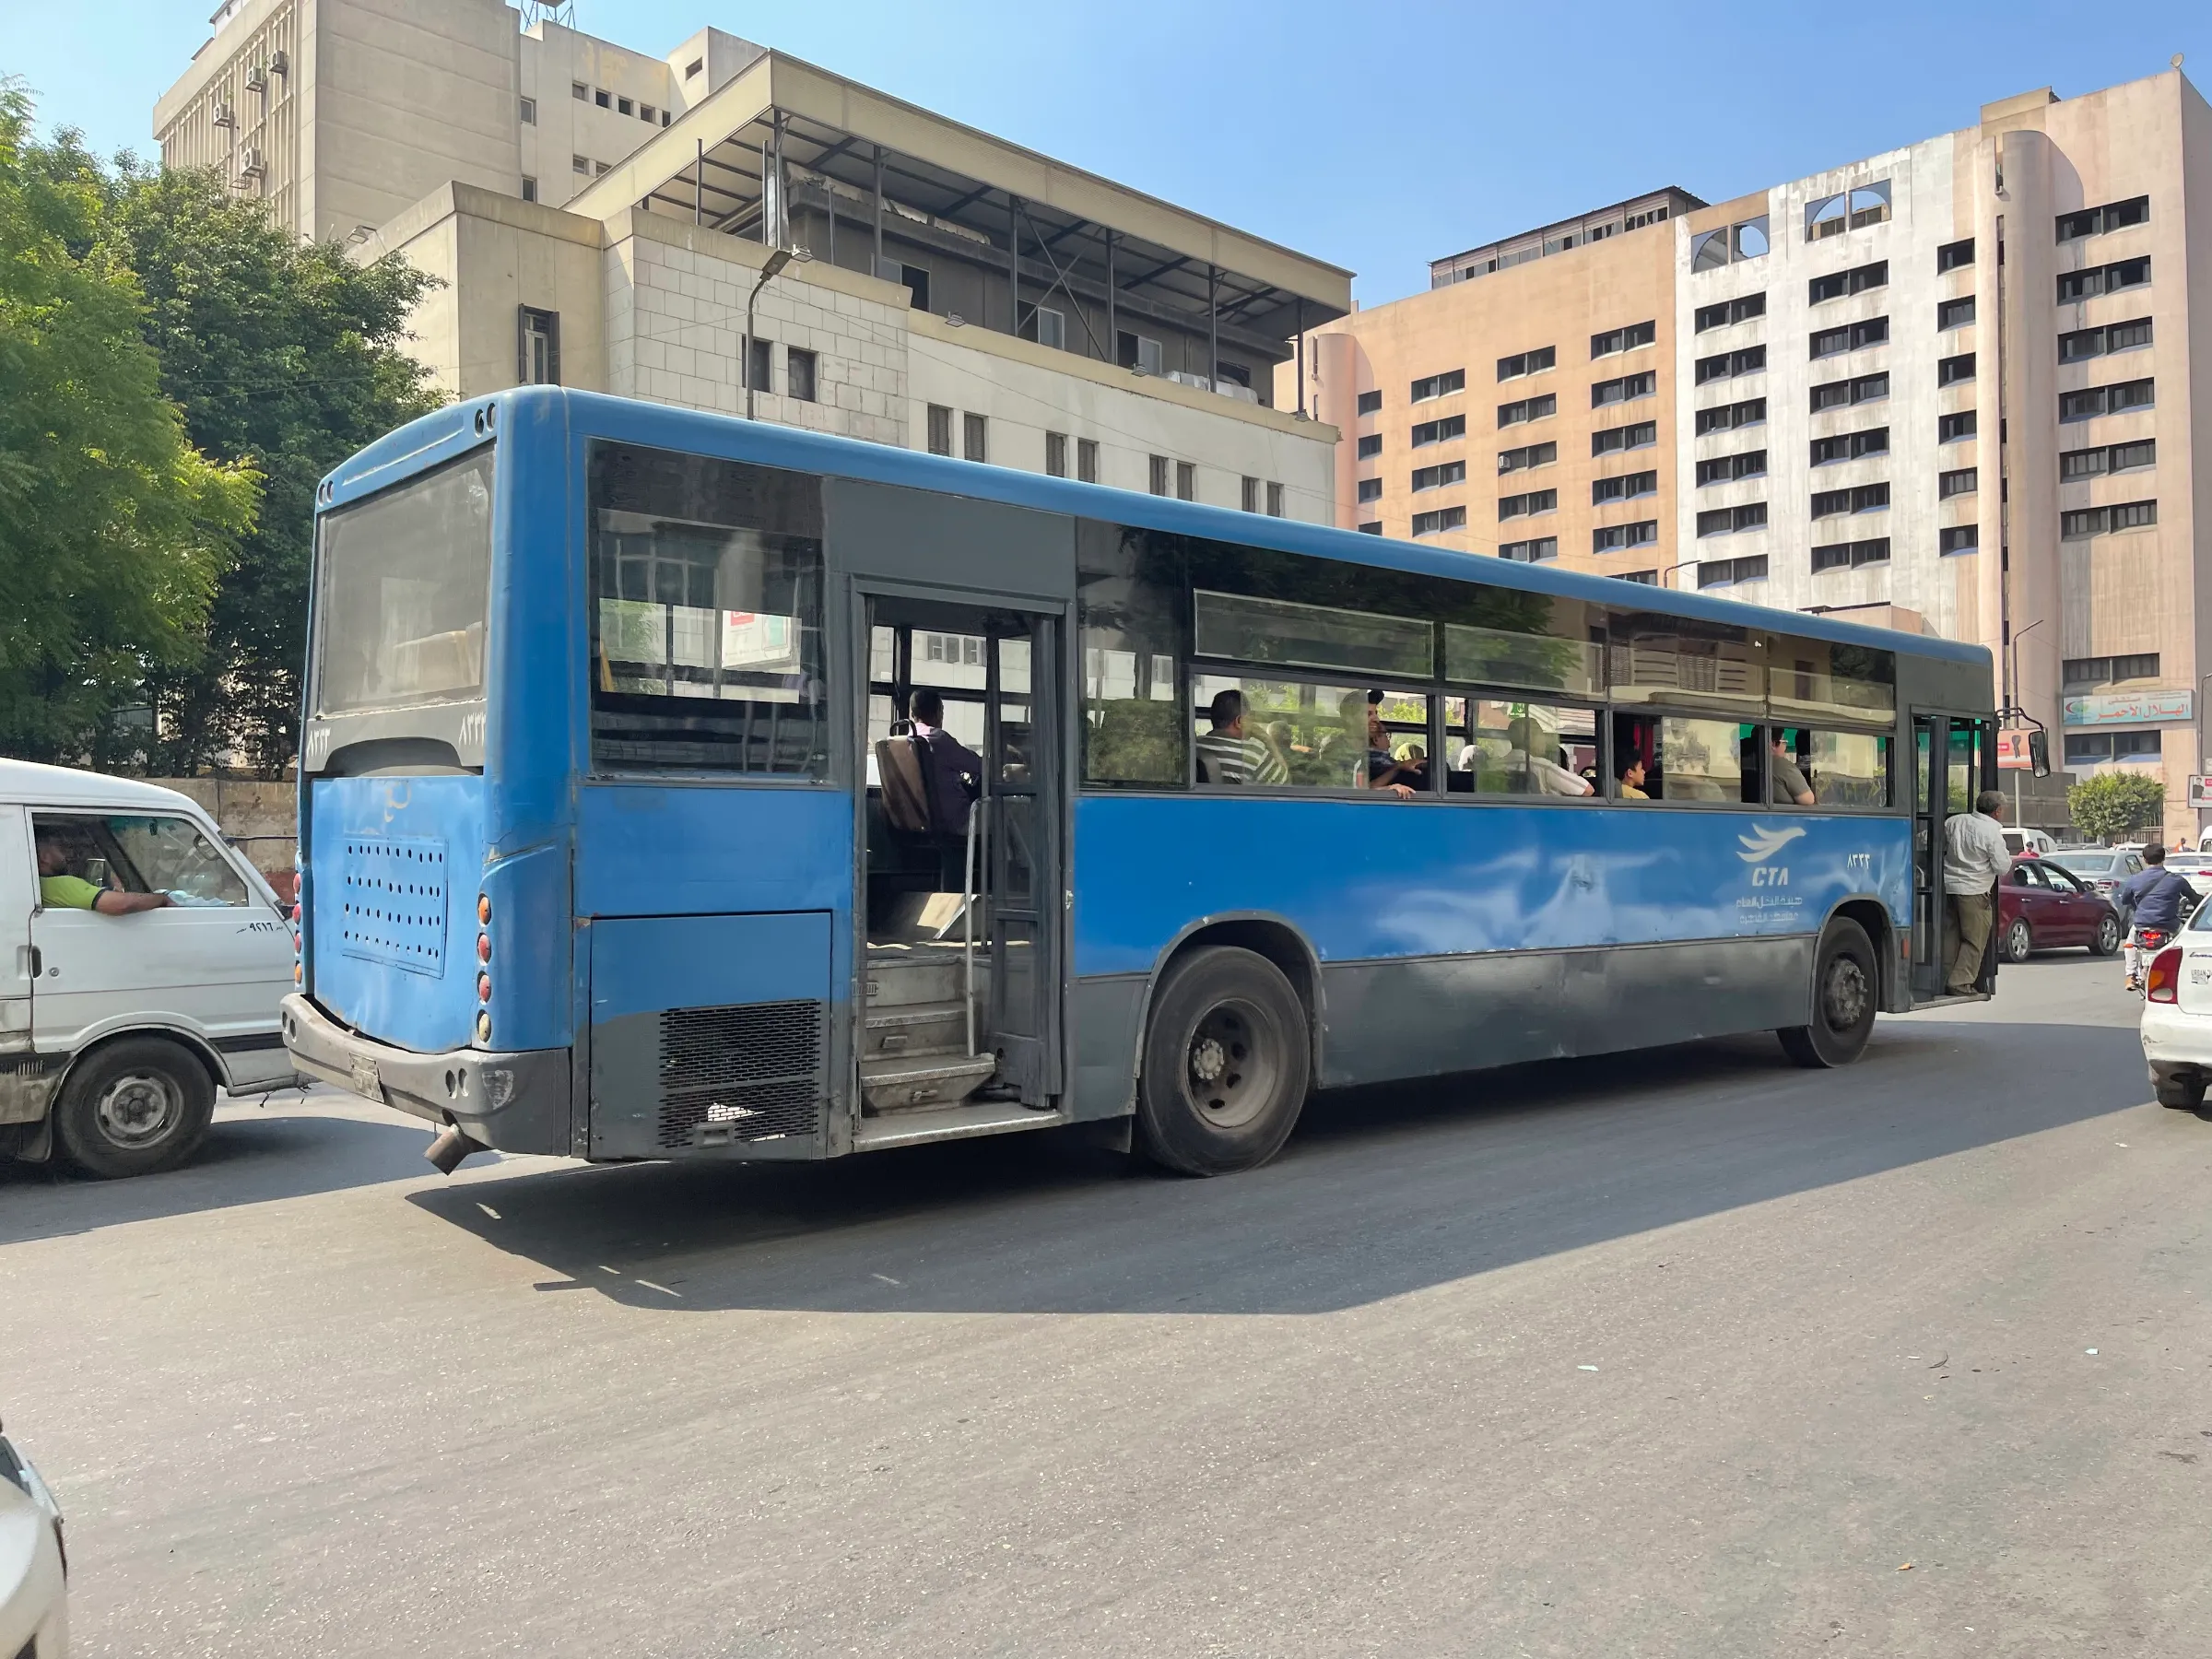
1954,758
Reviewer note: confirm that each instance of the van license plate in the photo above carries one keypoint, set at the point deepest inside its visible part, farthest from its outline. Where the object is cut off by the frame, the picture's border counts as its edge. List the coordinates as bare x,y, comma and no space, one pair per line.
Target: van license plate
365,1080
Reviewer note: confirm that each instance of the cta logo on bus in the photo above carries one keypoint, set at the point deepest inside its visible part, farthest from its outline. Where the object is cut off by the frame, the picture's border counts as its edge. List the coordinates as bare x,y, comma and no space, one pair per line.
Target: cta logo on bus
1759,846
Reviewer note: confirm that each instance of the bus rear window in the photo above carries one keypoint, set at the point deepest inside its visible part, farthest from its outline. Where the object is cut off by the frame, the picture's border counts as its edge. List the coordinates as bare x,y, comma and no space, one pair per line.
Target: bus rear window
706,616
404,580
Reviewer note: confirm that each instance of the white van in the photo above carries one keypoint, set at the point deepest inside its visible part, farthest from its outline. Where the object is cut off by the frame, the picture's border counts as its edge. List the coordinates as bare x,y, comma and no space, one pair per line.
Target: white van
142,967
2034,842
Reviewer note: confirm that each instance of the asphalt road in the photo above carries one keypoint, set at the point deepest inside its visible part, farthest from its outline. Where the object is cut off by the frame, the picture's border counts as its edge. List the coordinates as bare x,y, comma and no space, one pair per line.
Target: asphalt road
1683,1353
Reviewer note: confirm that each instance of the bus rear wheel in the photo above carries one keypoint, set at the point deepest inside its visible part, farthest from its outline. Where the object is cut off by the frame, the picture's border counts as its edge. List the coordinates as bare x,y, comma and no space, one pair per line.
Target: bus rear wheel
1227,1063
132,1108
1845,990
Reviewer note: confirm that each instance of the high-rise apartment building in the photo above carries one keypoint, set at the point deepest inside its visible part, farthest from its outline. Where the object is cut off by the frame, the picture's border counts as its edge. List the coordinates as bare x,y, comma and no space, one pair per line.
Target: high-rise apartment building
1948,385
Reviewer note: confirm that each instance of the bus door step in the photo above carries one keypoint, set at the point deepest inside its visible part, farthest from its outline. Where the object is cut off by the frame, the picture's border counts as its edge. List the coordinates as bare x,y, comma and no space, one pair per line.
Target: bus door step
908,1083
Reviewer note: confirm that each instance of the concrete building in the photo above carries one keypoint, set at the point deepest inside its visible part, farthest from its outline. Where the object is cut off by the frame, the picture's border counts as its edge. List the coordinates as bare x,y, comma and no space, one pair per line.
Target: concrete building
606,219
1949,385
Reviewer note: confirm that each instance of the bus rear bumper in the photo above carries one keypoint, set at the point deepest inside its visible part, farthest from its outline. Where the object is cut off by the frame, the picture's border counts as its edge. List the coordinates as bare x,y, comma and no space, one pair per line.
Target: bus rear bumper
516,1102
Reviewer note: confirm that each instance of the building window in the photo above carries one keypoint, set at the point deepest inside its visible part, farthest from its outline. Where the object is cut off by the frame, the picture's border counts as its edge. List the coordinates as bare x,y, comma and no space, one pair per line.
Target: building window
1709,250
1729,520
1158,477
1860,497
1439,385
1722,313
1727,469
1056,455
760,364
2107,458
1436,477
580,92
2086,748
975,438
1371,527
940,429
1611,538
1626,488
529,188
623,106
600,167
663,118
1727,572
1954,313
602,97
1087,460
2086,673
1953,257
1370,489
1527,362
1138,351
693,67
1187,480
1850,446
1727,417
1623,339
1526,456
1857,281
538,354
1370,401
2101,521
2076,286
581,164
1613,441
1838,394
1955,370
1851,555
2085,343
2115,399
647,113
1250,496
1369,446
1442,519
1530,552
798,375
1950,429
1045,324
1528,409
529,112
1855,210
1964,480
1727,365
1528,504
1628,387
2095,221
1440,431
1275,501
1959,538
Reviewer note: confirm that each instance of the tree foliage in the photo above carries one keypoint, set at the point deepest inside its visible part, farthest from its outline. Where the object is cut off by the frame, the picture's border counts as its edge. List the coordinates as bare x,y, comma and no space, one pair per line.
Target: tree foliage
114,531
2113,804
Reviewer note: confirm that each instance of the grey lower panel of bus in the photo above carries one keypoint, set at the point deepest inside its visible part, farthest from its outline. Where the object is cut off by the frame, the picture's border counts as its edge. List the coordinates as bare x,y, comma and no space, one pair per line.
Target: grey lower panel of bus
1430,1016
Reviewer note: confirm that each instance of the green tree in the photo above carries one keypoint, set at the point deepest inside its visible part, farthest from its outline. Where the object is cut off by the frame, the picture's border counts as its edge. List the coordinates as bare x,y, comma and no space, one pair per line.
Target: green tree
2113,805
113,530
286,356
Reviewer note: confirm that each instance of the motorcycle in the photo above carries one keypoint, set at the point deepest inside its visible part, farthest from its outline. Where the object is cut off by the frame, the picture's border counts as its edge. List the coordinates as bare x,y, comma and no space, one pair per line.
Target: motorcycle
2146,942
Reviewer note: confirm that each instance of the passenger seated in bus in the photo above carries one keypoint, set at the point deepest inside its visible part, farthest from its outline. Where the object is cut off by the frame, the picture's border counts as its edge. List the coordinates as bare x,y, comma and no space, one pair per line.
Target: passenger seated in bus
1631,781
1226,755
1375,769
1788,786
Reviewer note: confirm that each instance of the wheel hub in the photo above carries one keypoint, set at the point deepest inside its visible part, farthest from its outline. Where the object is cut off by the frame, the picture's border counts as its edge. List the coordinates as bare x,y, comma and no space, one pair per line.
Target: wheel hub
1208,1060
1846,993
137,1109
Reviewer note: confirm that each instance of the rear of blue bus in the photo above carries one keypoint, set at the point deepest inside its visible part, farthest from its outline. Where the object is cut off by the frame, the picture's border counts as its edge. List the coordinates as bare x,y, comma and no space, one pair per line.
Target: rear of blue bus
434,815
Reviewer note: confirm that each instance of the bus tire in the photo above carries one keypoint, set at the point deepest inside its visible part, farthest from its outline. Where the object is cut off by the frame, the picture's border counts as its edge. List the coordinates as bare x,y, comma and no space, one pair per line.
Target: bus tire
1846,988
1227,1063
135,1107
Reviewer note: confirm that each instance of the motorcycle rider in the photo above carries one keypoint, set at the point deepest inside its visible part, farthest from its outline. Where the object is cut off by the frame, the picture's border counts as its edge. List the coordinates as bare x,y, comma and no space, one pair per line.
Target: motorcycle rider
2154,901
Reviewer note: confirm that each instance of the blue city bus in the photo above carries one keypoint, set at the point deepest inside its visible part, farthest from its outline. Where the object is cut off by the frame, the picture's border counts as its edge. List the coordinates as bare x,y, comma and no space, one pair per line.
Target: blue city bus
610,845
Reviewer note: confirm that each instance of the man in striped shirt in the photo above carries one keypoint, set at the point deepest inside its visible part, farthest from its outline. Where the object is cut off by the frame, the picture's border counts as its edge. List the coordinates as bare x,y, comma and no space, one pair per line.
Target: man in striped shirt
1226,755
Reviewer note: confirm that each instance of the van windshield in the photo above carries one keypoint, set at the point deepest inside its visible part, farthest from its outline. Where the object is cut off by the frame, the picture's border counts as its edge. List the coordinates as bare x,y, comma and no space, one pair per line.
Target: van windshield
403,582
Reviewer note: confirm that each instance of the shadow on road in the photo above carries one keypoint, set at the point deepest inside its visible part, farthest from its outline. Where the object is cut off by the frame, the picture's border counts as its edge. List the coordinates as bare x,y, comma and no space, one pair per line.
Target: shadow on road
1382,1192
252,1155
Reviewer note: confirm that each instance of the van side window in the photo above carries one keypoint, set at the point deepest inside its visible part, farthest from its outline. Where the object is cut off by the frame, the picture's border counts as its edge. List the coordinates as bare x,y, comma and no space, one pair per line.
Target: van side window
142,852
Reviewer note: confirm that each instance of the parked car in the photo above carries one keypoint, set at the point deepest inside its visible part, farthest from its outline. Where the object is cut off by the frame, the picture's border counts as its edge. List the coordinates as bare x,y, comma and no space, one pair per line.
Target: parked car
2029,843
34,1563
2105,869
2195,868
2045,906
2177,1015
141,969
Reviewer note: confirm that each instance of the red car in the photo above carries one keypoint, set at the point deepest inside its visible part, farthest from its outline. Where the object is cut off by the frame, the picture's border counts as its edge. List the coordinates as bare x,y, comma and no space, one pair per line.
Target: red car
2044,907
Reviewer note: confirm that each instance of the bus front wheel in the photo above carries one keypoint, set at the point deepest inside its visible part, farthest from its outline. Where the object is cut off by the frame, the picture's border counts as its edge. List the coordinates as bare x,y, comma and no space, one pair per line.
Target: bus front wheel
1844,993
1226,1064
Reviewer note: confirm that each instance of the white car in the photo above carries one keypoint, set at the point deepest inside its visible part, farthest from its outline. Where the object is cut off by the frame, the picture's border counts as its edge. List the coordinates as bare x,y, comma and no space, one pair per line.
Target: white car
34,1569
2032,842
2177,1015
2195,868
141,970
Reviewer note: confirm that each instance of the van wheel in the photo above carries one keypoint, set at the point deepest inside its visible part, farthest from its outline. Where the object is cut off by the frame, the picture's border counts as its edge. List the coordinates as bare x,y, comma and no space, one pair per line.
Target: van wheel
135,1107
1845,989
1227,1063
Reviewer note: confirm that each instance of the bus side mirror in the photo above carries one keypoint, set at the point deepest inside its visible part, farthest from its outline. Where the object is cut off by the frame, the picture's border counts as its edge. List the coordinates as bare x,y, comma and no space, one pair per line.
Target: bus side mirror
2039,753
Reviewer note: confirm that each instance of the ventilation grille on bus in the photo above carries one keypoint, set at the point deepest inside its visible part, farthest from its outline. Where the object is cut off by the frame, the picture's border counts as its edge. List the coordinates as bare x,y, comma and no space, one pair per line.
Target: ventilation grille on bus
392,903
749,1073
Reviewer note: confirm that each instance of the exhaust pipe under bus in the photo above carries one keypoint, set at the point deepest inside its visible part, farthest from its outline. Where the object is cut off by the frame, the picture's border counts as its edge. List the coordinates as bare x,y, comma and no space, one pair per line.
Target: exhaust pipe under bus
449,1148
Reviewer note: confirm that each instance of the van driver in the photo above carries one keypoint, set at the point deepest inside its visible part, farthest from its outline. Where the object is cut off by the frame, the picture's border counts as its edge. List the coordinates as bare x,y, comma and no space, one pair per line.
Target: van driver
62,890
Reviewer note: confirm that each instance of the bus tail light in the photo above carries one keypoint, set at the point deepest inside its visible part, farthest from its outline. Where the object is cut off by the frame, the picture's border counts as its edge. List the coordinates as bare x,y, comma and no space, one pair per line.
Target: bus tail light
484,1025
484,947
2163,982
483,910
483,987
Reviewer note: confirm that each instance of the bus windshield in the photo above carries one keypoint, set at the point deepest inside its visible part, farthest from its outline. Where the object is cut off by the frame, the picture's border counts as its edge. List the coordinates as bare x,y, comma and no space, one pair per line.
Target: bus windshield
405,579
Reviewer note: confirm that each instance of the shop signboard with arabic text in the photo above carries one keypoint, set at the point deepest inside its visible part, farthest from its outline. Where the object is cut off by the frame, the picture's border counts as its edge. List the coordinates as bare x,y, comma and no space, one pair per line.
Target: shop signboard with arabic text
2127,708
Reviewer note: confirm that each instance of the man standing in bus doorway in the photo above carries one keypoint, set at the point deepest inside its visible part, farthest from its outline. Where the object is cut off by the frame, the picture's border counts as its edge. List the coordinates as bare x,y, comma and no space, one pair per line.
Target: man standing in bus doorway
1975,859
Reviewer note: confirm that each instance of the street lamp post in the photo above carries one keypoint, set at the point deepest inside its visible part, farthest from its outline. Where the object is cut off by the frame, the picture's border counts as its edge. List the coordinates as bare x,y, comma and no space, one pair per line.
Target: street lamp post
776,261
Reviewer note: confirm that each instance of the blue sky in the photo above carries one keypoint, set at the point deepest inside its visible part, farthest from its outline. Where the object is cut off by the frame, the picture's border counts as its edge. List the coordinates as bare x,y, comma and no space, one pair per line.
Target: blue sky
1376,135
